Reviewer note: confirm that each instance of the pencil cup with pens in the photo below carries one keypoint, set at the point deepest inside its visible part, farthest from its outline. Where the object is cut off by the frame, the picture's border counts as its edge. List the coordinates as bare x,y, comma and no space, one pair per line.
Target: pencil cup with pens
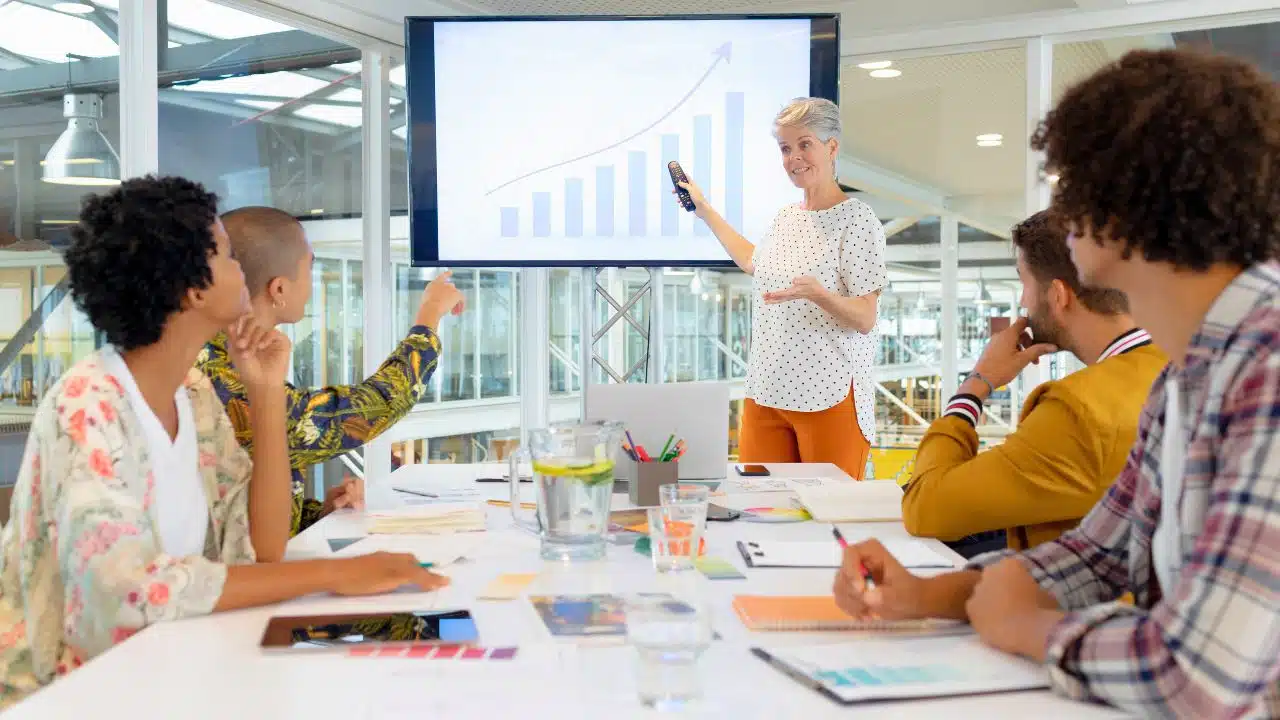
645,473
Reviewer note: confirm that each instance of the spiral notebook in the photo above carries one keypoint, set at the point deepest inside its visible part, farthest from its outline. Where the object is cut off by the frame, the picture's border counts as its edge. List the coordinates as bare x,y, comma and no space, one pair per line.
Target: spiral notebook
820,612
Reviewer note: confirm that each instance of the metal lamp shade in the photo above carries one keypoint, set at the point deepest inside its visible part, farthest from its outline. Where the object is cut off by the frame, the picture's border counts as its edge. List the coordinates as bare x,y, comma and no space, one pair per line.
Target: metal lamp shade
82,155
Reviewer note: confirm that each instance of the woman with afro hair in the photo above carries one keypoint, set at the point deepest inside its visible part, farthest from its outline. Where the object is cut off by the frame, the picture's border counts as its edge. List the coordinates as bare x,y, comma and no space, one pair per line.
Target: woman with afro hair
134,502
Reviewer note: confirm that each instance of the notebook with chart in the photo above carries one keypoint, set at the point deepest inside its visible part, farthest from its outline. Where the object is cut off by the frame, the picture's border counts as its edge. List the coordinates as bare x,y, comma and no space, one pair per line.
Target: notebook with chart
901,668
865,501
820,612
911,553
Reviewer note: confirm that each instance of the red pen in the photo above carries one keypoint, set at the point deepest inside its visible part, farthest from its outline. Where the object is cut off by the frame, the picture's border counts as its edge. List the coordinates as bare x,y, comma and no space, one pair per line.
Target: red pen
866,574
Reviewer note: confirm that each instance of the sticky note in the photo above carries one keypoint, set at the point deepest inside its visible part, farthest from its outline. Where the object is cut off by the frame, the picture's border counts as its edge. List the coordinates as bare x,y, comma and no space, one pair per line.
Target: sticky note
507,586
716,568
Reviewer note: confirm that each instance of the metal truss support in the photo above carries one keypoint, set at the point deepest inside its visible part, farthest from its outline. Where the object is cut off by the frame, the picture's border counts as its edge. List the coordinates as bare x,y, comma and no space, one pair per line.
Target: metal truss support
592,352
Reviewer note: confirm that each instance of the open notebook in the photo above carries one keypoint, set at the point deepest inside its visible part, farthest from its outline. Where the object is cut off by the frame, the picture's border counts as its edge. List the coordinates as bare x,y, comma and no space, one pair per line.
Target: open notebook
820,612
865,501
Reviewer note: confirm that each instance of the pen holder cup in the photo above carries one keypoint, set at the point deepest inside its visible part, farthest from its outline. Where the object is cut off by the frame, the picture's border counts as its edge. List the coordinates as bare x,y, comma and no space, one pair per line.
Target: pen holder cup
644,479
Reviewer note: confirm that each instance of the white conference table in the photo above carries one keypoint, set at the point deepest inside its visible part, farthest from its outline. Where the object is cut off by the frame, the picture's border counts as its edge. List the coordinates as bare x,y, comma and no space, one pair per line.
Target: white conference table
211,667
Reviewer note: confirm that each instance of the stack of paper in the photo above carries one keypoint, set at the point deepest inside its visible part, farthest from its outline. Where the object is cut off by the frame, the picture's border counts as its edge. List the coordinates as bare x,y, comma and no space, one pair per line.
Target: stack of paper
440,518
865,501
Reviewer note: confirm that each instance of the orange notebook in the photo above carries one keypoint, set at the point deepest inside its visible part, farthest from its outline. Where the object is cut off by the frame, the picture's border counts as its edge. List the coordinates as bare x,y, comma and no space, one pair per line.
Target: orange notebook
818,612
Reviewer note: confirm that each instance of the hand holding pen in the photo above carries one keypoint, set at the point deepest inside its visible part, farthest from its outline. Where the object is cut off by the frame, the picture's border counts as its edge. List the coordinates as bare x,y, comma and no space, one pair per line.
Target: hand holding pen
872,584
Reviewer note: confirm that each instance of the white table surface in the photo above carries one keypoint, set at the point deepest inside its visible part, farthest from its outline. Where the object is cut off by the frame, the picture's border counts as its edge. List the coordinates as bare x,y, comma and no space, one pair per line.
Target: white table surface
211,667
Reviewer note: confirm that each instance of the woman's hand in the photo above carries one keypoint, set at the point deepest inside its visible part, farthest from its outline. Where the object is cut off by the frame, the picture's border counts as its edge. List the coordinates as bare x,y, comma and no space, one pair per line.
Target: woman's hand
259,352
802,288
441,297
700,205
382,572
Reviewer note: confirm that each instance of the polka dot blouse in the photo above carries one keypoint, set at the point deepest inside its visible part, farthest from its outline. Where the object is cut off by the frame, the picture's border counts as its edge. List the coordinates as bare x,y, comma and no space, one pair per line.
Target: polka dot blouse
801,358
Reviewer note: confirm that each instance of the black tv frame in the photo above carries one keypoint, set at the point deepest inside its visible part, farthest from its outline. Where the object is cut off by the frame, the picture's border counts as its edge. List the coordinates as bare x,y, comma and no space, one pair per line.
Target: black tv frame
420,90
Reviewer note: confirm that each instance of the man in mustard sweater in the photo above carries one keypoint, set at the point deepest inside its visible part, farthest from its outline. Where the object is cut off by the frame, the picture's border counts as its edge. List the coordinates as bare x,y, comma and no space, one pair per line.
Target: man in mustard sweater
1074,434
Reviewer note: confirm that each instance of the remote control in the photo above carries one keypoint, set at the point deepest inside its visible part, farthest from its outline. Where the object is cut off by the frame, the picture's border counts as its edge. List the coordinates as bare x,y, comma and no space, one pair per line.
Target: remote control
677,177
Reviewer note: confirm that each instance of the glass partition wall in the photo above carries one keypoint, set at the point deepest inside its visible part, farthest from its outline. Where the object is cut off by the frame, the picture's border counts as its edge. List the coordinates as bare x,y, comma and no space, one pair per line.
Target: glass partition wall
935,141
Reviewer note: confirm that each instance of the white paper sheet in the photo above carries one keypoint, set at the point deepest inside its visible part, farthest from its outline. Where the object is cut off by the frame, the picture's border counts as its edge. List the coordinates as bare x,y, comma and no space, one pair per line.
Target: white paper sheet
439,550
435,518
820,553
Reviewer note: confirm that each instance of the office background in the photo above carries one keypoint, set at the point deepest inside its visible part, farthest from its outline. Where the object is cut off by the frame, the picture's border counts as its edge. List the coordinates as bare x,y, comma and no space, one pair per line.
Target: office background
269,106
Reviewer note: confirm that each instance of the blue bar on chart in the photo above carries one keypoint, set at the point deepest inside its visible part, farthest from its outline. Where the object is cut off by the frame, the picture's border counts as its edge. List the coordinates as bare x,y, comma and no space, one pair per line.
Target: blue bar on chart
604,201
510,221
542,214
636,193
734,114
573,207
701,171
670,206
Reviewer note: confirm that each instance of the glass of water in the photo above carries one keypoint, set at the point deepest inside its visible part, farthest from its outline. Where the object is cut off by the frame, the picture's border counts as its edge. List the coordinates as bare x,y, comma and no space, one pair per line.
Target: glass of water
675,536
669,635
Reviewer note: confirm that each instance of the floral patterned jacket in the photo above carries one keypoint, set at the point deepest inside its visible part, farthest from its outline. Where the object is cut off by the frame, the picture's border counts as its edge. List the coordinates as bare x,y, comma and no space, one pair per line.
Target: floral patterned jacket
81,567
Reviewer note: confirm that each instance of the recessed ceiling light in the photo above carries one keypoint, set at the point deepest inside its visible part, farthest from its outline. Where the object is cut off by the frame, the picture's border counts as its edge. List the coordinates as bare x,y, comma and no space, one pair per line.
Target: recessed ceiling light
75,8
990,137
877,65
990,143
317,211
885,73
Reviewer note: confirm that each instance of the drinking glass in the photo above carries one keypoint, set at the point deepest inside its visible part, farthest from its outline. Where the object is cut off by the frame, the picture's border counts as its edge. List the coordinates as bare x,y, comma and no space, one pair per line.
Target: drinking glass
675,535
669,636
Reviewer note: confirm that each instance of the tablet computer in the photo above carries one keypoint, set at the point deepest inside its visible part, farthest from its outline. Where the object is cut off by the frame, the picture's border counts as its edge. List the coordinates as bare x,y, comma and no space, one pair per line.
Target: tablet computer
329,632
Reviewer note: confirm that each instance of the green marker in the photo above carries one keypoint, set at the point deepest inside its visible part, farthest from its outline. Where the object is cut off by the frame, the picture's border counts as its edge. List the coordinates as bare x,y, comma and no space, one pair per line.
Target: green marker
662,456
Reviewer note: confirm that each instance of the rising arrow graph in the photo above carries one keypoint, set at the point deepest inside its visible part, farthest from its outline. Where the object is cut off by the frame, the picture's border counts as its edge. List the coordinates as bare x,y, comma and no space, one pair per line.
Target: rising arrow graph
721,53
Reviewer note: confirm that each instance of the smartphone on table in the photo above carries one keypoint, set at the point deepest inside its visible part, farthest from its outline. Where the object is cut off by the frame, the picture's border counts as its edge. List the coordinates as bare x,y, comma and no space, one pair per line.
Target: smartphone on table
753,471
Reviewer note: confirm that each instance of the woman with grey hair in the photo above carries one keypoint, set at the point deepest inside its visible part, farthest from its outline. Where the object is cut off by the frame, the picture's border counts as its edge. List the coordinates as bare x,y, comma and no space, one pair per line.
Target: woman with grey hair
817,275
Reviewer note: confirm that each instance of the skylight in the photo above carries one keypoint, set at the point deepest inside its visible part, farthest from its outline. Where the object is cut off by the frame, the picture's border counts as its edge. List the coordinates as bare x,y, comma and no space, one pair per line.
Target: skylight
48,35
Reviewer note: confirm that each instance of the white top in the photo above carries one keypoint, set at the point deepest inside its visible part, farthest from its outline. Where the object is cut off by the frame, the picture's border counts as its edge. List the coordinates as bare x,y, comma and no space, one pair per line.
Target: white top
801,358
181,510
1166,546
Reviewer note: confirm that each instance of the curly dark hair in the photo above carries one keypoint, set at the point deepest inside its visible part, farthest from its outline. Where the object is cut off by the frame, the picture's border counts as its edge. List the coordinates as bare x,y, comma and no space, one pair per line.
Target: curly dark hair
137,251
1174,153
1042,244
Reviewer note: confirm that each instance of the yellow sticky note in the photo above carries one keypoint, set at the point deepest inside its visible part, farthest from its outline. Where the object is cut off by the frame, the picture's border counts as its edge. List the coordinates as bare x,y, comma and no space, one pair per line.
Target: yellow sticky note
507,586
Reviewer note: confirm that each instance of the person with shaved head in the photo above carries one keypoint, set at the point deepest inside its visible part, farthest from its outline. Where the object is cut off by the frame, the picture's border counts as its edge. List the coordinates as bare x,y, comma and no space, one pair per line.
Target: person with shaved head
323,423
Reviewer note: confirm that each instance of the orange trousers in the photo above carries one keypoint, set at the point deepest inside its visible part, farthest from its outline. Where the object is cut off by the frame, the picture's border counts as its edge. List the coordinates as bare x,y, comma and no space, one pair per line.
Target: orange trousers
788,436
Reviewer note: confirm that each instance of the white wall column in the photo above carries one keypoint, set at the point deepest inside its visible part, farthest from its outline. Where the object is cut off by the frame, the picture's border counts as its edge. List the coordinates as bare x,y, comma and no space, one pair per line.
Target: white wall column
1039,99
376,229
139,99
535,338
950,305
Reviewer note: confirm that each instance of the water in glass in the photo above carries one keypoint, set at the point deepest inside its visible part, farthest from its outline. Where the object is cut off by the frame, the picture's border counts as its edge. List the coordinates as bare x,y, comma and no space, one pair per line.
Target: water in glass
669,636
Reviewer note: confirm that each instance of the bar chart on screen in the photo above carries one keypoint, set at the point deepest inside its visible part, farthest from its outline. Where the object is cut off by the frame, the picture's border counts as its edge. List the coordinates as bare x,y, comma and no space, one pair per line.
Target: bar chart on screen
581,173
645,182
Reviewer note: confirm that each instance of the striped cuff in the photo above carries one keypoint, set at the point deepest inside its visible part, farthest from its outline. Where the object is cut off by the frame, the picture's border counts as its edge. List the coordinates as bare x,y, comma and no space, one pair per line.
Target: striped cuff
966,407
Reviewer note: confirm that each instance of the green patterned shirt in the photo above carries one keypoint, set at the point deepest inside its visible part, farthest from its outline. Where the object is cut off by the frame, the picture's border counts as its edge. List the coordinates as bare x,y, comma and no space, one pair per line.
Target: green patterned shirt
323,423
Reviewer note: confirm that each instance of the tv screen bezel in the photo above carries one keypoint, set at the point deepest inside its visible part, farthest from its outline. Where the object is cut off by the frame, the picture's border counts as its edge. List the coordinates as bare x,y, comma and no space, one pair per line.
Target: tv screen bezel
420,137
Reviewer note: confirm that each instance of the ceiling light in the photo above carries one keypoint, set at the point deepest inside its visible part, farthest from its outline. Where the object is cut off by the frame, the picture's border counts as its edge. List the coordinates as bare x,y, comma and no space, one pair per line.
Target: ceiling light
885,73
1051,178
990,137
82,155
877,65
990,143
75,8
317,211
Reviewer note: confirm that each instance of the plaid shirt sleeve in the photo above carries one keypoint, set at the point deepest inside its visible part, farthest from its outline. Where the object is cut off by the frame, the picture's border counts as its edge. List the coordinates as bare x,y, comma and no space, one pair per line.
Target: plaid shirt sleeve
1211,646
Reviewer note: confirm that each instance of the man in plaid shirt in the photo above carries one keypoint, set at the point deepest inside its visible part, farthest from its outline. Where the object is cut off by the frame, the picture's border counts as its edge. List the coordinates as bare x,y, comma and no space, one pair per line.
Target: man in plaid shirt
1169,167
